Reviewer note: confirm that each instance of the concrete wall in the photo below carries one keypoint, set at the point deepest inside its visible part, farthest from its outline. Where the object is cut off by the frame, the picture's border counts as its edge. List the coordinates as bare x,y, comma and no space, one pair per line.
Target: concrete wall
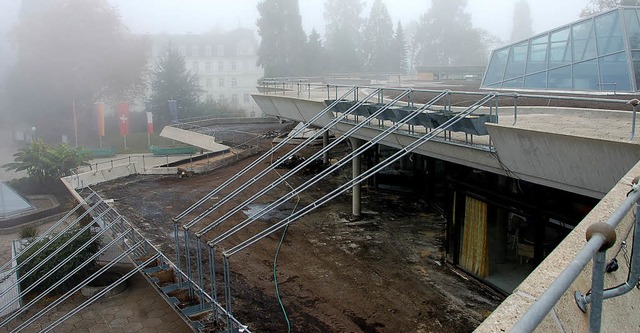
292,108
232,120
619,314
576,163
193,138
90,178
581,165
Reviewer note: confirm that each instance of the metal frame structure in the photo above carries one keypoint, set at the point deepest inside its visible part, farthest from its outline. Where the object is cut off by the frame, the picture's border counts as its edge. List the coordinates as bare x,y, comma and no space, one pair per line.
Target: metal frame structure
600,237
487,98
146,258
358,121
149,260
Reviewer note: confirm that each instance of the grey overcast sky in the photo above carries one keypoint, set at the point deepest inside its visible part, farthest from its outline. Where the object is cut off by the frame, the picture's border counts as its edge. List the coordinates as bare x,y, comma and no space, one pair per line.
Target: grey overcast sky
182,16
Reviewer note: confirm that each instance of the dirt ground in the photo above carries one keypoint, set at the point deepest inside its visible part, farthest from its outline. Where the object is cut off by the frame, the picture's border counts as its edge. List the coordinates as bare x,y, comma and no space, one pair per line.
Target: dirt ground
382,273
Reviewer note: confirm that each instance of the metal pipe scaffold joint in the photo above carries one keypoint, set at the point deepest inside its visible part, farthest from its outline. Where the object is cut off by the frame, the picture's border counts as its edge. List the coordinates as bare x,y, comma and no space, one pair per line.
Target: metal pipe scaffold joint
606,230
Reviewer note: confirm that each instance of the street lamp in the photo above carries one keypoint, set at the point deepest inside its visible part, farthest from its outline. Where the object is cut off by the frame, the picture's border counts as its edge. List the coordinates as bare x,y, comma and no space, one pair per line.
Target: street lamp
33,134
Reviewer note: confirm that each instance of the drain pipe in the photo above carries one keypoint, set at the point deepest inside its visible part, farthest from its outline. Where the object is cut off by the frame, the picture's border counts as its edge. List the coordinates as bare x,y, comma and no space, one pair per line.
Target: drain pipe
634,271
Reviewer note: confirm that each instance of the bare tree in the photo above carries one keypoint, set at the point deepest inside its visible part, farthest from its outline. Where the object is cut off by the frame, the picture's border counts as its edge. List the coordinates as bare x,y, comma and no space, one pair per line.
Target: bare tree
73,52
597,6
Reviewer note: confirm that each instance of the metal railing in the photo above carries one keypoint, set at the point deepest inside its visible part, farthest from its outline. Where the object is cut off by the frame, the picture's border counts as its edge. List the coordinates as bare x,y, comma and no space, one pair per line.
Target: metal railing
294,192
510,101
130,243
601,236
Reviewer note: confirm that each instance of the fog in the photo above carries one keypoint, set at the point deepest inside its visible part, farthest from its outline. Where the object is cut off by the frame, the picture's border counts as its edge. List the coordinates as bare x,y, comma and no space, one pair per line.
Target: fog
196,16
175,16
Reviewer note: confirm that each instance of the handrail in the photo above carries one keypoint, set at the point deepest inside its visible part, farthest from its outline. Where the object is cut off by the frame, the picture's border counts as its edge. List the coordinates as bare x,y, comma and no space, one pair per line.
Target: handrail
536,313
457,92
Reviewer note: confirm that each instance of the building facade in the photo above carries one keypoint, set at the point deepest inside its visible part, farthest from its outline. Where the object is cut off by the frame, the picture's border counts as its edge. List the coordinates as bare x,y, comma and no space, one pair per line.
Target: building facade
224,62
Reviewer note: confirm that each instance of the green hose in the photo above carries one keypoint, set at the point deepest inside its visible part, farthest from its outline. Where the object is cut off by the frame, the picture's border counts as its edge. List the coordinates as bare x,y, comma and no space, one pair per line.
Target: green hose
275,279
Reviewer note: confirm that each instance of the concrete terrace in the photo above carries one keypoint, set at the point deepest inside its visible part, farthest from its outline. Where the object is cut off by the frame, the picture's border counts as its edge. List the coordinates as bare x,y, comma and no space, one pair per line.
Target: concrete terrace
583,140
593,152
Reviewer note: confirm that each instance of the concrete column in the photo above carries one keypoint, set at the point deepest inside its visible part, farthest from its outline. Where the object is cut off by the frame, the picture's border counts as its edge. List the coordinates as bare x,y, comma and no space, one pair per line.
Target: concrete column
325,143
355,144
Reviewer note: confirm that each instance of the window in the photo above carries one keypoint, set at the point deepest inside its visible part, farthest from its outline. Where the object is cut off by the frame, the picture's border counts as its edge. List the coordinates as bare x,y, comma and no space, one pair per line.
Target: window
536,81
221,65
516,83
560,48
636,66
246,98
633,28
222,98
233,65
195,51
517,60
208,82
234,82
609,33
183,51
221,82
496,66
195,66
537,55
585,75
220,50
584,41
614,74
560,78
207,51
234,98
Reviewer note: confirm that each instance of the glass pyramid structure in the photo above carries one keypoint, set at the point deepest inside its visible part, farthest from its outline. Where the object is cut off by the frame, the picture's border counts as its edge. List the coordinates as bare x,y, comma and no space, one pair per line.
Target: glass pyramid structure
596,54
12,203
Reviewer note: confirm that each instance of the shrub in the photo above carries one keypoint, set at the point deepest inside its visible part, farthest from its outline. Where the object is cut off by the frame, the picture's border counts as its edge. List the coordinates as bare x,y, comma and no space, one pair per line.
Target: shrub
63,254
28,231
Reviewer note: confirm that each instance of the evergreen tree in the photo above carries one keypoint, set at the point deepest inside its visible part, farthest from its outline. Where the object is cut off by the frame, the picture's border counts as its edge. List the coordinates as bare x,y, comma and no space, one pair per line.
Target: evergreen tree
597,6
343,38
172,81
398,58
315,56
377,38
412,31
522,22
281,49
448,38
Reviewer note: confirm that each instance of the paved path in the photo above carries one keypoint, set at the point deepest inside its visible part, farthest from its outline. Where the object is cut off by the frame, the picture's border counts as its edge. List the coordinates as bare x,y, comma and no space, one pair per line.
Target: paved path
137,309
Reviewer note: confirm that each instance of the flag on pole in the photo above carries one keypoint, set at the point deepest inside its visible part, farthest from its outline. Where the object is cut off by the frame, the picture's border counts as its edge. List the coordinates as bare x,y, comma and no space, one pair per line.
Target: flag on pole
100,116
147,106
123,117
149,123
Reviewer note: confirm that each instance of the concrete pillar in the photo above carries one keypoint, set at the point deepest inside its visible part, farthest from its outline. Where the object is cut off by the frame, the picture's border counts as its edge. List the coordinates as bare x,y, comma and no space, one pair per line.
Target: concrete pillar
325,143
357,210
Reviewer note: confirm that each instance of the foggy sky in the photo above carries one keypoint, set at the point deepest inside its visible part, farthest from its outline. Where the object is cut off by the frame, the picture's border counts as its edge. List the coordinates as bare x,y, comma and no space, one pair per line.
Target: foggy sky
196,16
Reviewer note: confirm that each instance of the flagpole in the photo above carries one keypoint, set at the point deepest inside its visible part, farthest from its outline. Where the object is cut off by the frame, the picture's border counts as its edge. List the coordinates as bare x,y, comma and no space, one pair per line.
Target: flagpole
125,142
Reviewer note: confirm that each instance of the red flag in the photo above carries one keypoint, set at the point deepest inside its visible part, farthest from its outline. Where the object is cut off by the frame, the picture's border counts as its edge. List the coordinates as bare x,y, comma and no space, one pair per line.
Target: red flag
123,117
100,115
149,123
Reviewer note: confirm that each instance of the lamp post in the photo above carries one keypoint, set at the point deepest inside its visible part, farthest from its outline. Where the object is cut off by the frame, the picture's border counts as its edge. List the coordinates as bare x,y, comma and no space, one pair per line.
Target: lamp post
33,134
